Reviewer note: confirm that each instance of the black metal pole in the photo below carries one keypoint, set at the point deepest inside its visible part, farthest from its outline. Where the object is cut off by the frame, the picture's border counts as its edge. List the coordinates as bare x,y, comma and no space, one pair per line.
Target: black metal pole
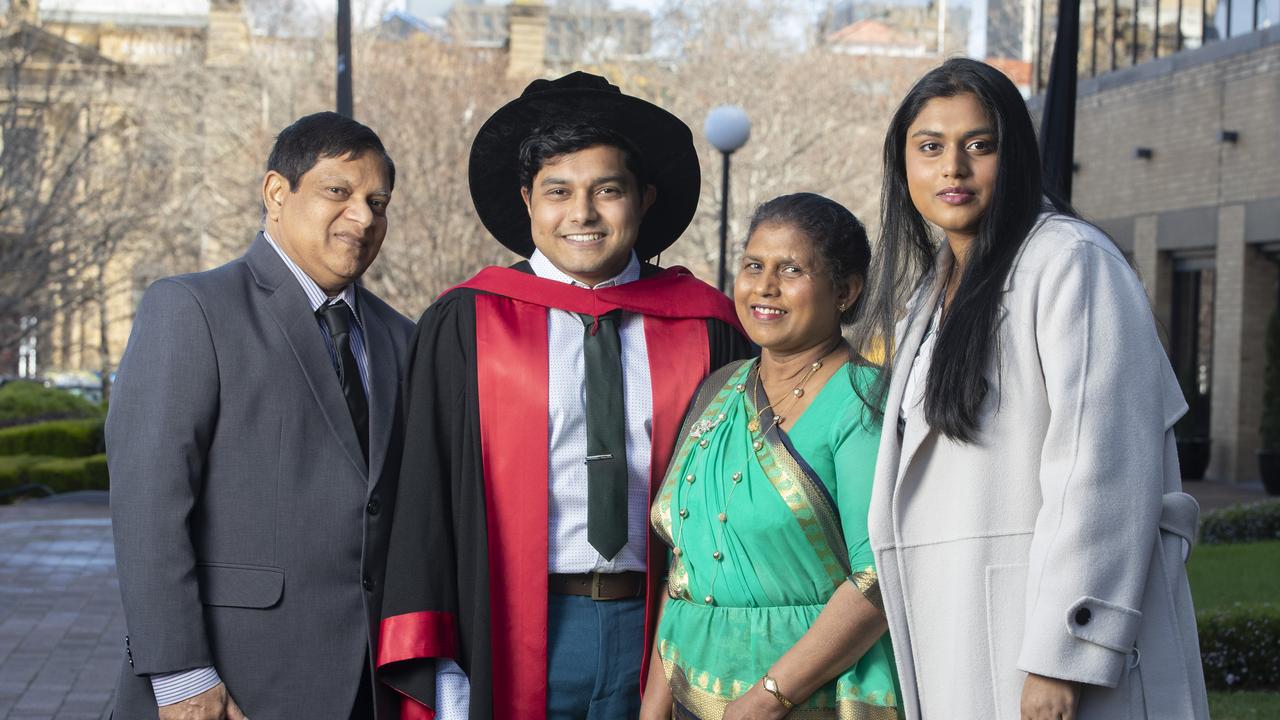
1155,36
1133,59
1058,123
1093,42
722,277
1115,30
345,105
1177,47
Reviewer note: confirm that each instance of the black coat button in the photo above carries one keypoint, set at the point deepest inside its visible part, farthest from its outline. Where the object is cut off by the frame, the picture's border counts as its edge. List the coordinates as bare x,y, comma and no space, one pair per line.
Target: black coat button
368,583
374,507
1083,616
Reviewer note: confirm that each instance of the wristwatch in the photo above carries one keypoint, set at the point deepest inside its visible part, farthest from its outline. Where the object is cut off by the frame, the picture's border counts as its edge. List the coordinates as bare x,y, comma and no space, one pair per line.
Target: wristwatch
771,686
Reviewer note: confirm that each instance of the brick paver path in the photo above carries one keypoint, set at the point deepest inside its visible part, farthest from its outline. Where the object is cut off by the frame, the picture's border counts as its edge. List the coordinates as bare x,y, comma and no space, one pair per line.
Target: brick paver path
61,626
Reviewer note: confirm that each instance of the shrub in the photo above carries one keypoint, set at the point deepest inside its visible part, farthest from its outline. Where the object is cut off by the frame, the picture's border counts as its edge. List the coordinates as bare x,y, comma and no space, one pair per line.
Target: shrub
68,474
59,474
1252,522
26,402
1240,647
60,438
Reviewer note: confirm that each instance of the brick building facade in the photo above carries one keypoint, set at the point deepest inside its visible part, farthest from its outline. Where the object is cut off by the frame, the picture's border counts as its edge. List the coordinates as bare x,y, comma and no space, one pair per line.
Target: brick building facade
1177,160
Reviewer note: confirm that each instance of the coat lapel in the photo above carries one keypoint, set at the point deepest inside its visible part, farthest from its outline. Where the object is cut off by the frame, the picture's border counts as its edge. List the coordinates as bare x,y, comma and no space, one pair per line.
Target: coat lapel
384,385
917,427
292,312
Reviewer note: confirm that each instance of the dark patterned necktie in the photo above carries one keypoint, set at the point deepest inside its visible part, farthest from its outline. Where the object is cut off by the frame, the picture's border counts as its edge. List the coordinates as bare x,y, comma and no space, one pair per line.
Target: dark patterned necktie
337,320
606,435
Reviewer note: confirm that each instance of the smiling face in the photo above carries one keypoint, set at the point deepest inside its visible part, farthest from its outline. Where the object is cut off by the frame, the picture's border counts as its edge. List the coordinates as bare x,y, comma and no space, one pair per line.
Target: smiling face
584,212
785,297
333,223
951,164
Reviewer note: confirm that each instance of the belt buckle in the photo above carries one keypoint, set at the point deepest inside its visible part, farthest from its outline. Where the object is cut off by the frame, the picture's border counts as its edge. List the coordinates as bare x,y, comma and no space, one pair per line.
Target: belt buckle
595,587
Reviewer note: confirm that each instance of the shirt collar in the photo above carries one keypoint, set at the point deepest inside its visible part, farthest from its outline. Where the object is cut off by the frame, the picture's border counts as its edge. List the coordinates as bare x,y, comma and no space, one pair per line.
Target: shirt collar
316,296
543,268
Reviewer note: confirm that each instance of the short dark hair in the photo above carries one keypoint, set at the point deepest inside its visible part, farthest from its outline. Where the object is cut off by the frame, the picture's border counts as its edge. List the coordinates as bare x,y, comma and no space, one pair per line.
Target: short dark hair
324,135
837,235
552,141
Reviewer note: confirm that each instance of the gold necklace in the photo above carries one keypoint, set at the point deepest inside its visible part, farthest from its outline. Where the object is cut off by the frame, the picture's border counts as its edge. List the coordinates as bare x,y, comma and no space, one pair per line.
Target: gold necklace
797,392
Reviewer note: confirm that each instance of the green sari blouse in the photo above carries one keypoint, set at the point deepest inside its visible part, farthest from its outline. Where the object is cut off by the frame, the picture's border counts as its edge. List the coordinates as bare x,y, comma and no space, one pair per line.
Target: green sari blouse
763,526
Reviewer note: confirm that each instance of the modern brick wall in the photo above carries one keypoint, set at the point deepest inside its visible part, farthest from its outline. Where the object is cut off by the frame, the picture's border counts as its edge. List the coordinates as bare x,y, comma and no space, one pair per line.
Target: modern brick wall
1196,197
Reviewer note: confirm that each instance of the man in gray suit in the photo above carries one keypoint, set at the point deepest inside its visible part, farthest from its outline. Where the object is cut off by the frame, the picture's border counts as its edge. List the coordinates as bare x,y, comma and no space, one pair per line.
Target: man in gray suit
253,442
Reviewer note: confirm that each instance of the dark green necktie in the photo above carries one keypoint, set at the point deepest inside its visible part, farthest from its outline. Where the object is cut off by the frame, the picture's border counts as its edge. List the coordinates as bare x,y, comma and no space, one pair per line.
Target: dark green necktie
337,320
606,435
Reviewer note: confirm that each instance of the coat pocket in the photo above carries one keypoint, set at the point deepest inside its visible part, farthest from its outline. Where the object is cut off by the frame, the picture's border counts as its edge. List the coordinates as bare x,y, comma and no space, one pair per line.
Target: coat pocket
246,586
1006,617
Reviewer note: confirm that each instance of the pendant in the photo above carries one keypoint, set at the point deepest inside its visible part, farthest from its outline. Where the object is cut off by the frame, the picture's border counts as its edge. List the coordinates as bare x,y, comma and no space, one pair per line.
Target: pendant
754,424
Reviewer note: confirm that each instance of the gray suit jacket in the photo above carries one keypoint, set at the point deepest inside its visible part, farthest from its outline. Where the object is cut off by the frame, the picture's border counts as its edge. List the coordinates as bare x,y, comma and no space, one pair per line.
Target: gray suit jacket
249,533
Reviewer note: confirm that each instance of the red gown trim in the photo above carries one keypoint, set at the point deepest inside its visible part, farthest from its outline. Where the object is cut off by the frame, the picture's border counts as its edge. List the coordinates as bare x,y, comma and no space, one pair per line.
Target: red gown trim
511,353
670,293
414,635
674,374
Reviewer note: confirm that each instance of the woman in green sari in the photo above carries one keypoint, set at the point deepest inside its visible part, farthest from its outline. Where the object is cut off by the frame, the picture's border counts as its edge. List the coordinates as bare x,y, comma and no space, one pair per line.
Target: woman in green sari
773,608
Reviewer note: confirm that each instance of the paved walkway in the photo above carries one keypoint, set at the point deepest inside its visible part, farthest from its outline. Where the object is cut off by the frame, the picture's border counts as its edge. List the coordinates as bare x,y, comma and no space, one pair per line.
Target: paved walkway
61,626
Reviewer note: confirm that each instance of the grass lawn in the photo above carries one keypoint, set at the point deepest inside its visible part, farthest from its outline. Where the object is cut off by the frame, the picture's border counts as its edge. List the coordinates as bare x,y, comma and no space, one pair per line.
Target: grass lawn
1244,705
1222,575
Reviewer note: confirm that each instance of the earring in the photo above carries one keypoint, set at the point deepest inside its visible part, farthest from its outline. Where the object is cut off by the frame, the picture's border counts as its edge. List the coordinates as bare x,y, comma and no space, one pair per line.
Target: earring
841,306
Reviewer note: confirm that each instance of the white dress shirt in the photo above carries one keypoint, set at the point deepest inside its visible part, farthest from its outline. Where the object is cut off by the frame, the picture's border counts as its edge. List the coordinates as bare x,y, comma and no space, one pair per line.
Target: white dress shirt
171,688
568,550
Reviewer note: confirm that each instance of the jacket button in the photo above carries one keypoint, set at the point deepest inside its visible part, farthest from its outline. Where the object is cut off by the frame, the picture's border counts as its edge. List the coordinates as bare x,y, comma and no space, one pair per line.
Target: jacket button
367,582
1083,616
374,507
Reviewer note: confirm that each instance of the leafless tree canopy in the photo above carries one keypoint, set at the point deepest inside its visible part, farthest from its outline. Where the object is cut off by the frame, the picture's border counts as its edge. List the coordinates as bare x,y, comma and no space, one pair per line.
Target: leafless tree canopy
116,175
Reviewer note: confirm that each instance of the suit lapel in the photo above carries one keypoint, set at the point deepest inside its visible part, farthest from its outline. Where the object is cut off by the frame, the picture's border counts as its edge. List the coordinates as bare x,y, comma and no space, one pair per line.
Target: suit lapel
383,385
292,312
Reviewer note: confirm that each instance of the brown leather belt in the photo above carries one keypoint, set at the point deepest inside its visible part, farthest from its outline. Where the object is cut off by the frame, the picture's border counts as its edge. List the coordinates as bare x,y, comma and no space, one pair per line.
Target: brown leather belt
598,586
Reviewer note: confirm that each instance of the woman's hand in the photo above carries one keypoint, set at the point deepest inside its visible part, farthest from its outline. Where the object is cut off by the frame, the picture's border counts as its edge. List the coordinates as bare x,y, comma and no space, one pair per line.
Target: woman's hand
1046,698
755,704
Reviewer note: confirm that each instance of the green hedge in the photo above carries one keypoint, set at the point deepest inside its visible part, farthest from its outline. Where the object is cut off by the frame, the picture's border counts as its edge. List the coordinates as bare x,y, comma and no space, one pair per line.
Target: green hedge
60,438
59,474
1252,522
1240,647
25,402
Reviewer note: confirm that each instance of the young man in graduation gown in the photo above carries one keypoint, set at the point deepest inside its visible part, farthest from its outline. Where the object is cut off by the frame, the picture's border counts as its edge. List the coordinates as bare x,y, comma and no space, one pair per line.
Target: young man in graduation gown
543,403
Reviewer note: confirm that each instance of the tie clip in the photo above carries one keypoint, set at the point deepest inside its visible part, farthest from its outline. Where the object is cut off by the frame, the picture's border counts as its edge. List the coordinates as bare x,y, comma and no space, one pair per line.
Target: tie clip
593,458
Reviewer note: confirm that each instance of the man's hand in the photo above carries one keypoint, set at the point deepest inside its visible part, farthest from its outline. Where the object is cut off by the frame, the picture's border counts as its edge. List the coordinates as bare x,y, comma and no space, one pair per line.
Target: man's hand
212,704
1046,698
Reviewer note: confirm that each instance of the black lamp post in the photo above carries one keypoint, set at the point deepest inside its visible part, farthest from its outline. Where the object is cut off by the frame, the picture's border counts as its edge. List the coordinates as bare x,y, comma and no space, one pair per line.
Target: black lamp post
345,104
728,128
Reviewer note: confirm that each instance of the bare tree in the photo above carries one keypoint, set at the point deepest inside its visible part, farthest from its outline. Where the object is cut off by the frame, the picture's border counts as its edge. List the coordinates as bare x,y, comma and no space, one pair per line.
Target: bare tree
60,107
427,100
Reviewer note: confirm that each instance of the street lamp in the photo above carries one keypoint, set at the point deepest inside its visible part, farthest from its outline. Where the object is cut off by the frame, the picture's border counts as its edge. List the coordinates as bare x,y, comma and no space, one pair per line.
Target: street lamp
728,128
345,105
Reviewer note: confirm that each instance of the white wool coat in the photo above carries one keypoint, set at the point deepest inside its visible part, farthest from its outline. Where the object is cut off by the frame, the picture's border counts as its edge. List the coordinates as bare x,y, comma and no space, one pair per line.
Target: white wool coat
1055,542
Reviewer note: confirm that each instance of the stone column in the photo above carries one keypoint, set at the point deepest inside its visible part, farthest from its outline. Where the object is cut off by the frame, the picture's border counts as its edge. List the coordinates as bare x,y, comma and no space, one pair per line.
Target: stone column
1245,294
1155,268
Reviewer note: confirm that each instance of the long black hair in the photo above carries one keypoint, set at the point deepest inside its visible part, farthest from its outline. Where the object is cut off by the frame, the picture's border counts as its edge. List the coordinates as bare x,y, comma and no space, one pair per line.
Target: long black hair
966,342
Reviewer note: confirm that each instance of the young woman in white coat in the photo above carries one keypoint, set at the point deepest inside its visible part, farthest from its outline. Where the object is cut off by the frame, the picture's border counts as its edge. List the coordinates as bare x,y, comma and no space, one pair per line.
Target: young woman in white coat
1026,519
